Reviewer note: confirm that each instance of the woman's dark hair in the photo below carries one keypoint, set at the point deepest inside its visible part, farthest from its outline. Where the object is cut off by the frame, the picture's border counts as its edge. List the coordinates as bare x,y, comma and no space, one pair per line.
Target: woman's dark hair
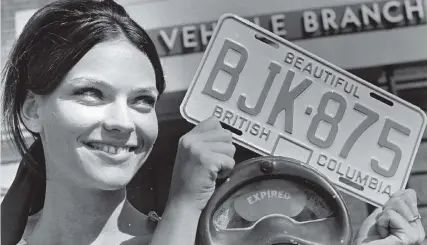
55,38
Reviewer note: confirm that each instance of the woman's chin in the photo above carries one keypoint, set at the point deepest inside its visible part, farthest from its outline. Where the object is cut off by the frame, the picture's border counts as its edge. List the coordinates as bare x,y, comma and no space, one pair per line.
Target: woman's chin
113,185
113,181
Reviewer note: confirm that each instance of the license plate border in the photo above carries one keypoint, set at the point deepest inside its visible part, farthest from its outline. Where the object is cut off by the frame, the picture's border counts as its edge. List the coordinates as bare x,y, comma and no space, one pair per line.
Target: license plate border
291,45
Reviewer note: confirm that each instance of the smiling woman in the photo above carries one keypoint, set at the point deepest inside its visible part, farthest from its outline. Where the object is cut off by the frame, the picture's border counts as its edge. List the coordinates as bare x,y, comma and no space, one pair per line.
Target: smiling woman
84,78
111,92
90,106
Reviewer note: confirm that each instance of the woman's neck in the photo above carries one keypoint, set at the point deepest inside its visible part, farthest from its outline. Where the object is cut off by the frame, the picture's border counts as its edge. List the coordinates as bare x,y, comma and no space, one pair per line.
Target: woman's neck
76,215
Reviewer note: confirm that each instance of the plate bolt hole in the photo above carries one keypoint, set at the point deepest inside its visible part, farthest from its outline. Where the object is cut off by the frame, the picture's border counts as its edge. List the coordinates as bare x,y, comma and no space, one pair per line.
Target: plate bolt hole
267,167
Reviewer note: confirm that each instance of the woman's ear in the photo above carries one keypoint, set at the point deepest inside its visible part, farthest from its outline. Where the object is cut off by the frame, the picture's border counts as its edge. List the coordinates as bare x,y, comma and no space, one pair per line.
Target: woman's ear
30,112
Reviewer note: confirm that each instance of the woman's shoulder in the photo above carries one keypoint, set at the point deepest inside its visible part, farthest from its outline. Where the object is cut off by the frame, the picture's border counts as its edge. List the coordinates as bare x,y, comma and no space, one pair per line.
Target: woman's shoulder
133,222
31,223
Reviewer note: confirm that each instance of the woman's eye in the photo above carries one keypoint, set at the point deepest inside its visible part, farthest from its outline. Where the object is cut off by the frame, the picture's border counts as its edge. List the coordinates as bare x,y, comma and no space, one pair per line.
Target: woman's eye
89,93
146,100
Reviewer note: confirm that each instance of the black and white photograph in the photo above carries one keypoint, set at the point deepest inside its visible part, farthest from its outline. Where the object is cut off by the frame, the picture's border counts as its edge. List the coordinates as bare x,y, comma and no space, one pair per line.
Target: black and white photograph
213,122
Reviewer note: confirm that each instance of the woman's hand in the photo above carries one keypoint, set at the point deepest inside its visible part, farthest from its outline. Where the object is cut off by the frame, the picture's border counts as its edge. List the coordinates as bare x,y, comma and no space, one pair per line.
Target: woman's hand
397,223
204,153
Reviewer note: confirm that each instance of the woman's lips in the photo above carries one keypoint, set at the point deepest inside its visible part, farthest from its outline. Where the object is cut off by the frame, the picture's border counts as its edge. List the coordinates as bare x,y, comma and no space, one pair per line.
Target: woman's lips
111,149
112,154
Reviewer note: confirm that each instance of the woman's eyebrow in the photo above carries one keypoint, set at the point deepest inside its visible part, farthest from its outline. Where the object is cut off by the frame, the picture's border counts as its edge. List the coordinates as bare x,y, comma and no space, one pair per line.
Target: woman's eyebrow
151,90
89,80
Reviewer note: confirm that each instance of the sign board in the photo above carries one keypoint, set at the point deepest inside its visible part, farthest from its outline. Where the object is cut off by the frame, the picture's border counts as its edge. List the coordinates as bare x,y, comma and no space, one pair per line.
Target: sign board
279,99
301,24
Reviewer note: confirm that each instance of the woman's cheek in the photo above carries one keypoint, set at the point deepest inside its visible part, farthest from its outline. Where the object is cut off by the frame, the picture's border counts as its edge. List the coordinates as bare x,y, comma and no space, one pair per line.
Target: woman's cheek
149,126
80,115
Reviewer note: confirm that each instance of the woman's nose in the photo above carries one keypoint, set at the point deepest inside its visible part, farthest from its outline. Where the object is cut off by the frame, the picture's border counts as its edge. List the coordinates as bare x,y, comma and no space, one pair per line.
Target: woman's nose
119,118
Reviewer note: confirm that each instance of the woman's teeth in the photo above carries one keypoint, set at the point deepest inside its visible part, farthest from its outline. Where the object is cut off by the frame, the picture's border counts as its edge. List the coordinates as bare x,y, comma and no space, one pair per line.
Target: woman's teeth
110,149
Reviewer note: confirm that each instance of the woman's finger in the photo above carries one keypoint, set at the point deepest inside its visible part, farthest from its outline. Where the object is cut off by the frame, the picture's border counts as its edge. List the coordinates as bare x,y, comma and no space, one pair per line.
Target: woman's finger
391,224
366,227
216,163
401,207
411,200
227,165
382,225
211,123
408,197
222,135
221,147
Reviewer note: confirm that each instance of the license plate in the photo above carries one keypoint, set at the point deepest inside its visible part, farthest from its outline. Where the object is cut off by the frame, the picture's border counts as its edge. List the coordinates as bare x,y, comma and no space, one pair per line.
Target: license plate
278,99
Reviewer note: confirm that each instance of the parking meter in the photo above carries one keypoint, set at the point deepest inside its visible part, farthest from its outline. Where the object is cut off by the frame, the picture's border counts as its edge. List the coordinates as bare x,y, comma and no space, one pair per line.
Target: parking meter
275,200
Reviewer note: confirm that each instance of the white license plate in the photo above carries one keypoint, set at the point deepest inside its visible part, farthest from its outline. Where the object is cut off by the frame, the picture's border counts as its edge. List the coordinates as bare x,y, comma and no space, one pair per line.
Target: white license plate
279,99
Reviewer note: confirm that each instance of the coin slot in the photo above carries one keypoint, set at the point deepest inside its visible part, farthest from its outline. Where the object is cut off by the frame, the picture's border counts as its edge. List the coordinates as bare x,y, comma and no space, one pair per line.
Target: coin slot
266,41
233,130
381,99
351,183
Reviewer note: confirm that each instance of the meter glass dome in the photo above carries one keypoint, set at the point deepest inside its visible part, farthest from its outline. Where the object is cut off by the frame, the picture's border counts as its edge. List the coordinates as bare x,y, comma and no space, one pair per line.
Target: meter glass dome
275,200
298,201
